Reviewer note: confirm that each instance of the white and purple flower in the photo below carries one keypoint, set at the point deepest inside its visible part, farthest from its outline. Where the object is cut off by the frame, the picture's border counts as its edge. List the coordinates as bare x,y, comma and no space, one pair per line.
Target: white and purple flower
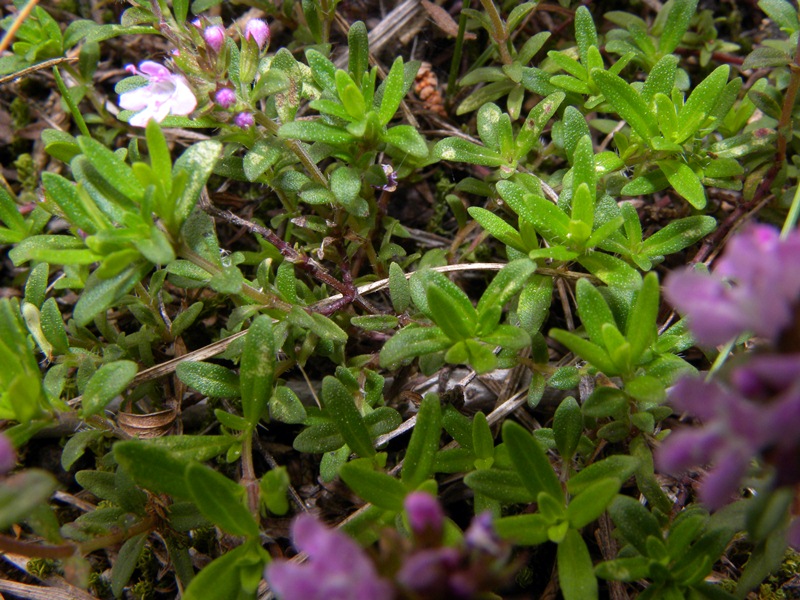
165,93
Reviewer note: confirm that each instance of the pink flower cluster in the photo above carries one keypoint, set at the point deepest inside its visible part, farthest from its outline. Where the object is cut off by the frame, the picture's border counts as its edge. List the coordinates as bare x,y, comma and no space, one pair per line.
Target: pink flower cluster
338,568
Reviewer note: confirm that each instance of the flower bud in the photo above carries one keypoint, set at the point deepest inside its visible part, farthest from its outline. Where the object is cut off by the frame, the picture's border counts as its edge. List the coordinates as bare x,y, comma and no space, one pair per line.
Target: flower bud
244,120
214,37
425,516
225,97
258,31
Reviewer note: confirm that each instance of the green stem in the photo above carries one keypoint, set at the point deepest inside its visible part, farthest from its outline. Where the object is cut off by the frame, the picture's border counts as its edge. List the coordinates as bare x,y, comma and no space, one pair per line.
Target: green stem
327,19
247,289
500,35
249,479
456,62
794,212
73,108
295,147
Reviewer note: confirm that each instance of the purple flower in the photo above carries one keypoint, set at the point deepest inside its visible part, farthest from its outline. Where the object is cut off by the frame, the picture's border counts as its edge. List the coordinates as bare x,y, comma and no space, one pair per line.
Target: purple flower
258,31
225,97
8,456
756,414
337,567
165,93
754,287
244,120
214,35
427,573
481,536
425,517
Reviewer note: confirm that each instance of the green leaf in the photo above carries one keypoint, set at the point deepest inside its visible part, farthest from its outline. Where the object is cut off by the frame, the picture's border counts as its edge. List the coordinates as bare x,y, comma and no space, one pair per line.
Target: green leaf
77,210
678,235
592,502
648,183
536,121
76,446
424,279
534,303
375,322
634,522
549,220
316,131
456,323
685,181
220,500
700,104
153,468
587,350
506,284
192,447
424,443
341,407
764,57
126,561
52,249
568,427
346,186
624,569
382,490
319,438
459,150
782,12
641,328
585,31
286,407
593,310
358,44
160,158
499,89
21,493
399,288
411,342
113,169
9,212
222,575
618,466
523,530
197,162
257,369
393,92
661,79
100,294
565,378
497,227
407,139
605,402
482,437
676,24
212,380
108,381
488,121
697,562
505,486
575,129
322,69
530,461
611,270
575,572
627,102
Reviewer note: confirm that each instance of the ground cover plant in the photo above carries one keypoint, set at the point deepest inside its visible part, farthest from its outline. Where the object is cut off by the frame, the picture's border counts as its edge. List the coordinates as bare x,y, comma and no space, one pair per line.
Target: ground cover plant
339,299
